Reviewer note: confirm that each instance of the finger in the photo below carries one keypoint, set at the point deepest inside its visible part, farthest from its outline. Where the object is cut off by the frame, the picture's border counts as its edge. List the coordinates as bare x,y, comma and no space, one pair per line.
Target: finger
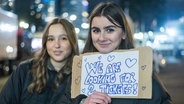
102,97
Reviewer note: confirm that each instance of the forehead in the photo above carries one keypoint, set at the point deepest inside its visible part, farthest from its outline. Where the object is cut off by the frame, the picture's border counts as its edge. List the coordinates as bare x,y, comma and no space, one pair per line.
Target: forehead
56,28
100,21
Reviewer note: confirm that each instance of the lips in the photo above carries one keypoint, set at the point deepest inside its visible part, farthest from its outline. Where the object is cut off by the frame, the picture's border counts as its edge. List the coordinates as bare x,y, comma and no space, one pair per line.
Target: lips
103,45
57,52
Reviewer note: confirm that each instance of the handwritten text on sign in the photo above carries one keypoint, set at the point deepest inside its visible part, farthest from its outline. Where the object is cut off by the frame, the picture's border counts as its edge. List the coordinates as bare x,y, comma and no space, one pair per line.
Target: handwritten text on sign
116,73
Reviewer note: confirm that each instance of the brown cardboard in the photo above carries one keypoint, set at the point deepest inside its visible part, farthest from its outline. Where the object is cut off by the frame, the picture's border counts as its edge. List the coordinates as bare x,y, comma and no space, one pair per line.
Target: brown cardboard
145,73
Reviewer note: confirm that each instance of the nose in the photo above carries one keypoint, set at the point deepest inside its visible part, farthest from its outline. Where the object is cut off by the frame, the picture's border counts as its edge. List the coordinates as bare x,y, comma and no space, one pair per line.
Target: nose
102,36
57,44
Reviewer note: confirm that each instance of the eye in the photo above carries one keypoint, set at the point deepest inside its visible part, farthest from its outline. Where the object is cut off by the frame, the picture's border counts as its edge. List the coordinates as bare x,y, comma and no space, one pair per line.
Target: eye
50,39
95,30
63,38
109,30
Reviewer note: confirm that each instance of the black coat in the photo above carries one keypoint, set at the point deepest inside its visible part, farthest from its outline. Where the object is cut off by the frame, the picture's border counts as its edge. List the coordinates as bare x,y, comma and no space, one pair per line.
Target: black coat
159,95
15,90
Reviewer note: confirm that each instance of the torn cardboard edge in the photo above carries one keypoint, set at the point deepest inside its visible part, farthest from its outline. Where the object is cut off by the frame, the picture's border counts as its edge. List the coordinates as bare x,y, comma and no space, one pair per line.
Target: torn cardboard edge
145,73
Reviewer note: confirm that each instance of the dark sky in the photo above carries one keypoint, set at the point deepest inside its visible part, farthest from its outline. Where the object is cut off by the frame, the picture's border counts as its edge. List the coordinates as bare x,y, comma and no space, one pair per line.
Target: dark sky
174,9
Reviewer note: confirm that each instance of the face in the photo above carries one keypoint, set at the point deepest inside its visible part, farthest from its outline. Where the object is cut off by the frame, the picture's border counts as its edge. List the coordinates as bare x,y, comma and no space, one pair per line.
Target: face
106,36
58,45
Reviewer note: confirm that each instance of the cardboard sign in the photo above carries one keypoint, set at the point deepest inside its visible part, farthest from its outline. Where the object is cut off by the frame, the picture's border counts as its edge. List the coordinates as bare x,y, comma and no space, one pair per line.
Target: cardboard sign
120,74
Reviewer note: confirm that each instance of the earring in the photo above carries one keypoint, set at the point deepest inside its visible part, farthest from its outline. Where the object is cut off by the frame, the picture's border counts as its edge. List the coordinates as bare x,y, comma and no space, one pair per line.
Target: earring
124,37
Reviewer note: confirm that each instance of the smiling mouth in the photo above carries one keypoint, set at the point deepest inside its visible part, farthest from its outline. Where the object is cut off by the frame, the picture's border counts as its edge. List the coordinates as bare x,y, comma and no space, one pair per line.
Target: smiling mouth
103,45
57,52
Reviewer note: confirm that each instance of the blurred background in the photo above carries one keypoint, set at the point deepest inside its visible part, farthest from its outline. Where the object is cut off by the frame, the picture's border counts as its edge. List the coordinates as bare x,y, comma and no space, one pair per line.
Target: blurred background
155,23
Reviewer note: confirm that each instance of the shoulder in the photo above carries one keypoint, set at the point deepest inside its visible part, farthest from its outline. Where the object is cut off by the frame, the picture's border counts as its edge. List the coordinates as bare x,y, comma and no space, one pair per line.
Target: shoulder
157,83
23,68
25,65
27,62
14,86
159,90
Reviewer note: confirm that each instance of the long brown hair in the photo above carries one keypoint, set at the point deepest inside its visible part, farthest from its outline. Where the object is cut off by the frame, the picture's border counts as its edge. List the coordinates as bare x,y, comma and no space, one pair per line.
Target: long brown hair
39,69
114,14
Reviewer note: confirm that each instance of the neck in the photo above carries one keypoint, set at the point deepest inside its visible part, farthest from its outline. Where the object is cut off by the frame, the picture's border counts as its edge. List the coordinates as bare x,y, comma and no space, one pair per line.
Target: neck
57,65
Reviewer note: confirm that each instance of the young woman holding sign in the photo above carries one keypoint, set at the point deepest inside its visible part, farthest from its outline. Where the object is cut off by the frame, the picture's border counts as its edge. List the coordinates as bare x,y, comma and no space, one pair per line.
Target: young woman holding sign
109,31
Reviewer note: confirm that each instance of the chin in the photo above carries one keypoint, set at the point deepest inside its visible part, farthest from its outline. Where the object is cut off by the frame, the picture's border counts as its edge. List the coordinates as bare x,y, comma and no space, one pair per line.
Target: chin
105,52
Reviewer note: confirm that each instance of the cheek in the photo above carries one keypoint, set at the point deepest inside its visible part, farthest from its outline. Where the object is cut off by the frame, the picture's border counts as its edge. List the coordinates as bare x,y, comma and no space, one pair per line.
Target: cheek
48,46
94,37
48,49
120,35
117,40
115,37
69,51
68,47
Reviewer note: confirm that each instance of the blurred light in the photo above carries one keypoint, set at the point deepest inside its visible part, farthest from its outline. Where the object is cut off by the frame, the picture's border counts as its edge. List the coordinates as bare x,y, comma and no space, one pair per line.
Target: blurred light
150,33
73,2
181,19
163,42
36,43
85,14
40,6
10,4
29,35
138,35
6,68
33,28
50,10
148,43
7,27
23,24
10,14
162,29
81,45
37,1
160,38
156,41
65,15
48,19
85,3
9,49
77,30
85,25
38,9
38,15
171,31
163,61
22,45
73,17
46,1
32,13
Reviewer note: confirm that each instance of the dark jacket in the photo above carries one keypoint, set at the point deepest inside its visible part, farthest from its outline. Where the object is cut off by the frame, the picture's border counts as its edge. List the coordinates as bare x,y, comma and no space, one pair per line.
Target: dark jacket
15,90
159,95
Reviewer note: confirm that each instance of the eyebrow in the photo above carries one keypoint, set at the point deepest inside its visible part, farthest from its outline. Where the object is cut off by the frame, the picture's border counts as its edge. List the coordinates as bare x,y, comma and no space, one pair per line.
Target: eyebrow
110,26
59,34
